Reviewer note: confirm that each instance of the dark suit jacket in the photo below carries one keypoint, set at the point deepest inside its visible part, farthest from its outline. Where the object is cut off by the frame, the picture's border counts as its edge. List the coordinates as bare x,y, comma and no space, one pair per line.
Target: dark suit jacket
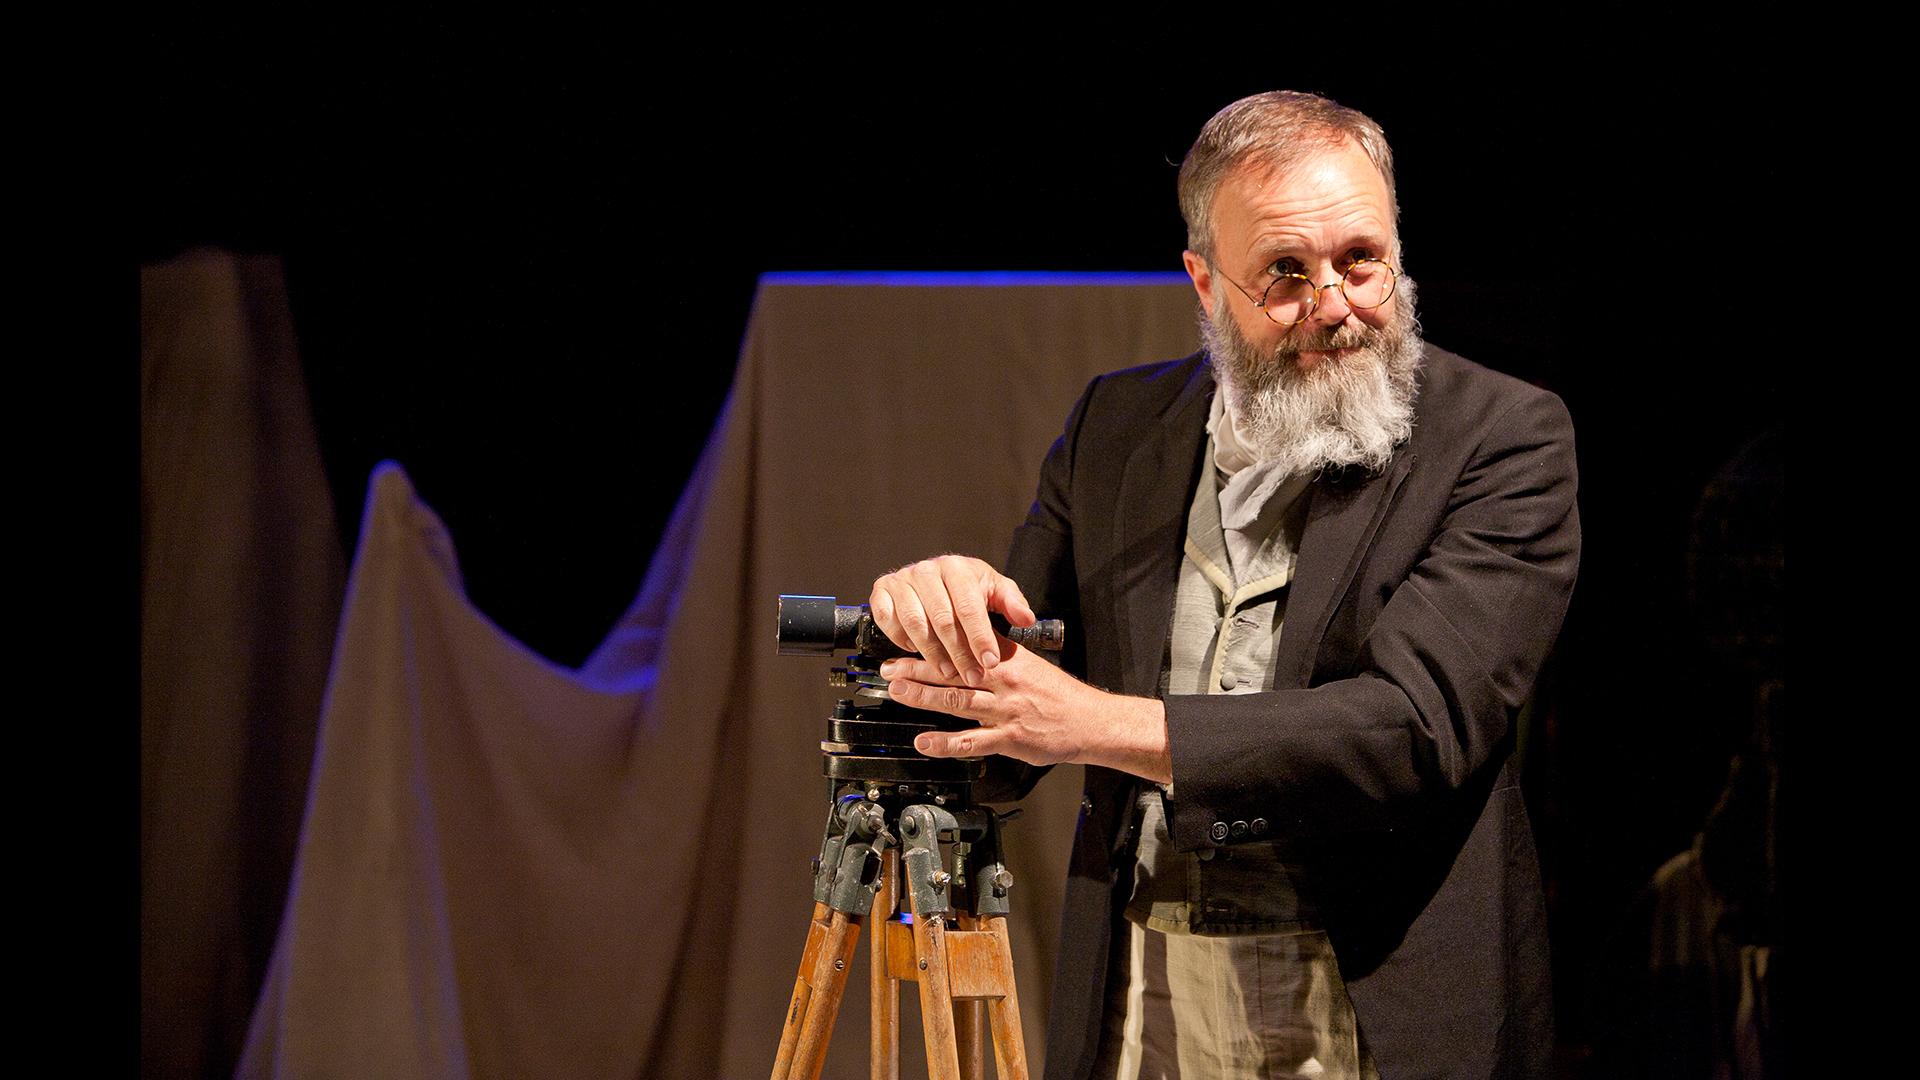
1423,604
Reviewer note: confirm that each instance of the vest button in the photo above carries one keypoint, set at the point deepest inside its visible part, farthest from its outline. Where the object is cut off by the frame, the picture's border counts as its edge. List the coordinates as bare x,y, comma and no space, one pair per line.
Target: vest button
1239,830
1219,831
1259,826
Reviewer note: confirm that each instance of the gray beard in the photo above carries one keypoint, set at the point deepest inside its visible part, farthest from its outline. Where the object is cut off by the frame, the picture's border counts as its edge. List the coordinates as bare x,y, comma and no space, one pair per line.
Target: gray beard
1351,410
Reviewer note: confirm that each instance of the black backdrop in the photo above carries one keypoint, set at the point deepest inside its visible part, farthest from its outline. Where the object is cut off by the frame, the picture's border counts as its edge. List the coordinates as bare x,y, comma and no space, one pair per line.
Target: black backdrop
521,254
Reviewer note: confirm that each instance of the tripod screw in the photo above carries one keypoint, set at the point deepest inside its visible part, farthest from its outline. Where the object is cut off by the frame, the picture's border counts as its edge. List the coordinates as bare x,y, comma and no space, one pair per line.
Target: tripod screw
839,965
1002,880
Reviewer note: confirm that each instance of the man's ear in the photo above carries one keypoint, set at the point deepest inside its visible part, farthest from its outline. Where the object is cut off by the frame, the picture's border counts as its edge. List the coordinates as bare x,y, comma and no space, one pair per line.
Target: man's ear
1202,276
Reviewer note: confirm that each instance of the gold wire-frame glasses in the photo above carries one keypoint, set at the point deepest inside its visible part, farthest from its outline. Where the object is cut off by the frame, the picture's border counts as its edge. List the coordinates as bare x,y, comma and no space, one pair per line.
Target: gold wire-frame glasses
1367,284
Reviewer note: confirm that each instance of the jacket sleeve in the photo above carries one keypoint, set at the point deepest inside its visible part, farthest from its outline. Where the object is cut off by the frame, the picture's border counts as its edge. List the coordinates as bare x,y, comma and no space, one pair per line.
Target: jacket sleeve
1439,678
1041,562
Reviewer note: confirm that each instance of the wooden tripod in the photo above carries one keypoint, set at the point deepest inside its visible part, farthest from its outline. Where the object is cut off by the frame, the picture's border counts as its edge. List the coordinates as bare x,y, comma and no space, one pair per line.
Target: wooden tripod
962,971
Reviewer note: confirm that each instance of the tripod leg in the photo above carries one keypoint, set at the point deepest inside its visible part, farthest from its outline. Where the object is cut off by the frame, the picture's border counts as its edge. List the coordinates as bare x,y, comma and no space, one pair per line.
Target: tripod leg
826,985
970,1022
802,993
1009,1046
936,996
883,990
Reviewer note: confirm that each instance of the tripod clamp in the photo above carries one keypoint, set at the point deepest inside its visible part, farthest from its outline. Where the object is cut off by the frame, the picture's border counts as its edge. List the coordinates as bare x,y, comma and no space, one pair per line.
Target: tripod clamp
930,883
846,875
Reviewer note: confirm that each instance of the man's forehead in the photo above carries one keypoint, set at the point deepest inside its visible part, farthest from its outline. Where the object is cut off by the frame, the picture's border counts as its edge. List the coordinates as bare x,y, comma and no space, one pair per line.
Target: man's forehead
1337,187
1332,171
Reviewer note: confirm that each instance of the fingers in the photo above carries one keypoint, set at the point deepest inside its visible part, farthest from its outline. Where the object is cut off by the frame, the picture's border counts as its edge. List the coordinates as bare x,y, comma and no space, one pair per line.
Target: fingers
909,623
909,669
971,584
943,592
978,742
964,702
940,608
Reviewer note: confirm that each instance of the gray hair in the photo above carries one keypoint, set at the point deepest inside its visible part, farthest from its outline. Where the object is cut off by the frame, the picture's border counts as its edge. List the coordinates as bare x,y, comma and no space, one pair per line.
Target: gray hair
1278,129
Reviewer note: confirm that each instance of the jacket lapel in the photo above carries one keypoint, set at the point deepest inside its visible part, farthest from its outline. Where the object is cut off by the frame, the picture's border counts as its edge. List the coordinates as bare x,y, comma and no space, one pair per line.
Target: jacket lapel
1344,513
1156,489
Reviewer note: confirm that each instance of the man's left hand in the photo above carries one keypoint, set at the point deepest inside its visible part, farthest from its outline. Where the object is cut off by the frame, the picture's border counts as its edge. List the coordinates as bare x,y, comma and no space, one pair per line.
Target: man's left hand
1030,710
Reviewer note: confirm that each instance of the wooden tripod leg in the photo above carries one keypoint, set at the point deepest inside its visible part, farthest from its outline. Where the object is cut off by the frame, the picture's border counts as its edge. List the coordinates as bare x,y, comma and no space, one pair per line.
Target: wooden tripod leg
969,1021
822,983
802,993
1009,1046
882,988
936,995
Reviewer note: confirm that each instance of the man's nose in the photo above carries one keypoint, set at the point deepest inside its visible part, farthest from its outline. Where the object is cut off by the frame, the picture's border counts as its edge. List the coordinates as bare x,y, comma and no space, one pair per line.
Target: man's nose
1333,309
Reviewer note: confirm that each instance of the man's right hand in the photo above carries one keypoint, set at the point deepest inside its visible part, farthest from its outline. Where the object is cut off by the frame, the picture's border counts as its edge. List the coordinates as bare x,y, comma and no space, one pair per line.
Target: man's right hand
939,608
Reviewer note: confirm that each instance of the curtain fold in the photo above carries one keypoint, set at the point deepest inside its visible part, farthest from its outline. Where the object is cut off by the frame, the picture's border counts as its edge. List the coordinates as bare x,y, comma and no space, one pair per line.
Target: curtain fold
241,576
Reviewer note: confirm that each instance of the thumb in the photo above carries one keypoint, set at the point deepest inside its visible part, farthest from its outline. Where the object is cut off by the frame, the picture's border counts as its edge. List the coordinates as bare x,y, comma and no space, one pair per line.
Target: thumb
1010,601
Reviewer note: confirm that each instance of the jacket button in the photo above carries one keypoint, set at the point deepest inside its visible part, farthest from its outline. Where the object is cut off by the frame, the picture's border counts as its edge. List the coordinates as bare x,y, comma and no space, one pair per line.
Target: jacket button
1239,830
1259,825
1219,831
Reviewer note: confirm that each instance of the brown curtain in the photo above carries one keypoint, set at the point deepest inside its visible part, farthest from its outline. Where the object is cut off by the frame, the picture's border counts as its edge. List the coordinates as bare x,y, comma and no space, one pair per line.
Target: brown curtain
512,869
241,577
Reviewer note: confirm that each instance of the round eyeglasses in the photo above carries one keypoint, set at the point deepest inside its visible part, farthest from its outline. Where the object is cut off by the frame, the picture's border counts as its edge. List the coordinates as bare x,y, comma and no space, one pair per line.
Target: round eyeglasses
1291,299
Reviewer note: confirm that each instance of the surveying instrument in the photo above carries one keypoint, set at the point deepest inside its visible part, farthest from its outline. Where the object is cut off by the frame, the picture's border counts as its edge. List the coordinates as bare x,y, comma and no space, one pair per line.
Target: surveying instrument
903,842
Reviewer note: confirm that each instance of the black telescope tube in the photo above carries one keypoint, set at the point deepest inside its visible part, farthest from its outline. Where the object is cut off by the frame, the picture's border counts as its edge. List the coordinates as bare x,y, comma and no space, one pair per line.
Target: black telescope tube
821,626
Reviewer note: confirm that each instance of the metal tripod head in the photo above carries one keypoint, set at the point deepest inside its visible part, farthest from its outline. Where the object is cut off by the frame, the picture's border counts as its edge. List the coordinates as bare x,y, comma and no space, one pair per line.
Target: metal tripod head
870,735
881,791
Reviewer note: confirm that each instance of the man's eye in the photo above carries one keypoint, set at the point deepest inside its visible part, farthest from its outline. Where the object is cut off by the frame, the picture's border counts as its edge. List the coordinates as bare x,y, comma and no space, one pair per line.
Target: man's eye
1284,266
1358,254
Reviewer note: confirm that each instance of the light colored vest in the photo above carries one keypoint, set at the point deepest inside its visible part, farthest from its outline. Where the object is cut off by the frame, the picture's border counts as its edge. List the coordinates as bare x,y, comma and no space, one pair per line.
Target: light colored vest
1229,972
1226,625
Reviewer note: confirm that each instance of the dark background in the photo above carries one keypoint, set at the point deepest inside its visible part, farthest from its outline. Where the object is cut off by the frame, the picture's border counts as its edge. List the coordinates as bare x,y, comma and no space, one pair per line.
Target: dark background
521,255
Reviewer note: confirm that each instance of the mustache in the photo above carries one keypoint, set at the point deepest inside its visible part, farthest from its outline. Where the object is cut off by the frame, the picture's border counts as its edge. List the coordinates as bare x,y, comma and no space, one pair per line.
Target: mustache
1325,339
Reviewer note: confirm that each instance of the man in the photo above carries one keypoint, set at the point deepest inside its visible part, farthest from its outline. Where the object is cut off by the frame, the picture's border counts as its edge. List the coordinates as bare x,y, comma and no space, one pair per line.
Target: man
1319,565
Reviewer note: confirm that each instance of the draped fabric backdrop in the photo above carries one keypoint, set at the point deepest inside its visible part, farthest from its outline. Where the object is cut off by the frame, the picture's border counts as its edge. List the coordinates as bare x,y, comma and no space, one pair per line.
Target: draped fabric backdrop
241,575
509,868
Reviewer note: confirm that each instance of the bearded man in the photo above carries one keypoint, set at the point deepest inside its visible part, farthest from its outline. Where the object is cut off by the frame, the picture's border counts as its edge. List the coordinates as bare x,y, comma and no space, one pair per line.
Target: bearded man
1310,575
